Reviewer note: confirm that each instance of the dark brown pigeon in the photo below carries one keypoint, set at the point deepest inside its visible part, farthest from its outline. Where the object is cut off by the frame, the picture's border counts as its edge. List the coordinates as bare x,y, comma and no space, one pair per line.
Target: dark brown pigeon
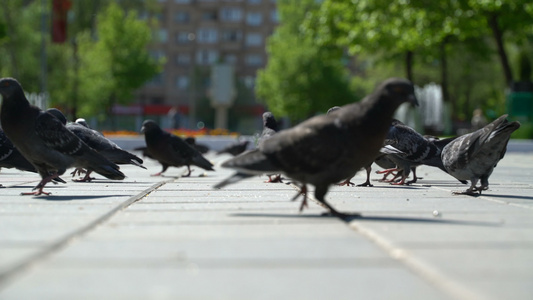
171,150
98,142
326,149
474,156
44,140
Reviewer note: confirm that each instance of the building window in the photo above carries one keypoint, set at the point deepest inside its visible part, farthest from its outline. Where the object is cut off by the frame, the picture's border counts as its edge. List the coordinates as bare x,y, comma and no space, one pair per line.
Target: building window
182,38
231,35
209,16
182,17
253,60
249,82
231,14
207,35
254,39
157,54
274,16
183,59
183,1
206,57
162,35
157,80
230,59
182,82
254,18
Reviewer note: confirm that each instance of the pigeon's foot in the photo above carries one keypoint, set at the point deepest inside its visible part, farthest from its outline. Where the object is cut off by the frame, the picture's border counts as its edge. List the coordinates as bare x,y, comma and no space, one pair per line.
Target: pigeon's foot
366,183
401,182
37,193
157,174
86,178
387,173
303,192
188,172
469,192
414,180
347,182
275,179
77,172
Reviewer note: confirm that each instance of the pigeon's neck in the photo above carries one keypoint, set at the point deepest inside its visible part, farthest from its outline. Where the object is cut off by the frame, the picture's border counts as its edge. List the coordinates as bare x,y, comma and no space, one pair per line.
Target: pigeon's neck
14,107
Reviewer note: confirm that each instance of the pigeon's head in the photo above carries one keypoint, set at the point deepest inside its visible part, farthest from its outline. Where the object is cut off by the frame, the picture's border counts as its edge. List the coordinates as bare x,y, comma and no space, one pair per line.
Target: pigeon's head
149,125
82,122
269,121
401,90
9,86
58,114
334,108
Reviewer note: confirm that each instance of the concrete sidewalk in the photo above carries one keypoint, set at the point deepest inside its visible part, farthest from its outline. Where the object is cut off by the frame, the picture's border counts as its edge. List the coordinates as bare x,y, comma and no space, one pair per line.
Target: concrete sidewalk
177,238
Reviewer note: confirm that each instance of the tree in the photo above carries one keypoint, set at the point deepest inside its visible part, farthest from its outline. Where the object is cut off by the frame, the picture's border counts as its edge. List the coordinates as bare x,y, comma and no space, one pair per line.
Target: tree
117,63
301,78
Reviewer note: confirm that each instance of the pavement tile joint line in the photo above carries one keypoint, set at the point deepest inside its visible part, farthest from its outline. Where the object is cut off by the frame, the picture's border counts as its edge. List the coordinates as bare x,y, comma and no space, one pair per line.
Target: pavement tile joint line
61,243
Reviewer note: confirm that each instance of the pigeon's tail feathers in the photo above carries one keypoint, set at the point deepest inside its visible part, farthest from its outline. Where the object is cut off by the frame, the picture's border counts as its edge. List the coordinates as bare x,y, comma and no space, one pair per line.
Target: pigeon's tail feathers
232,179
505,128
123,157
200,161
101,165
252,162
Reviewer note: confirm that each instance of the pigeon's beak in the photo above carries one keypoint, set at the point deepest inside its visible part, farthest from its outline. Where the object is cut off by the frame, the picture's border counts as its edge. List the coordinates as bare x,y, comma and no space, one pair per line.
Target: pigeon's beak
412,99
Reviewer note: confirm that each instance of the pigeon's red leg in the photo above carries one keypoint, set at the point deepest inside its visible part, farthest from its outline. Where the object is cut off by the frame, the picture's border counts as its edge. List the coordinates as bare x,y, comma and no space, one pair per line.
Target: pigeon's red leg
77,171
86,178
41,185
303,192
387,173
275,180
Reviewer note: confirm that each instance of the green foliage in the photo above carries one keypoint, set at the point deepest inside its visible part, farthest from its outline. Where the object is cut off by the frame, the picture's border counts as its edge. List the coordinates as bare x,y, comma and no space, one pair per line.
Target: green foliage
301,78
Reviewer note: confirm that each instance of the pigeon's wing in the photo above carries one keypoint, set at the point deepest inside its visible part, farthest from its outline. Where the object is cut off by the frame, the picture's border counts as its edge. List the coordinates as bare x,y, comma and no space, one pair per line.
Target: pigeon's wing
56,136
189,155
6,147
91,137
310,148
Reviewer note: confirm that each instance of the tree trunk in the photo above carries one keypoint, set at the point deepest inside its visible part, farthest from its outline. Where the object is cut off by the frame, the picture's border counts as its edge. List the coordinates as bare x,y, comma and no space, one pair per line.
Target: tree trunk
497,33
409,65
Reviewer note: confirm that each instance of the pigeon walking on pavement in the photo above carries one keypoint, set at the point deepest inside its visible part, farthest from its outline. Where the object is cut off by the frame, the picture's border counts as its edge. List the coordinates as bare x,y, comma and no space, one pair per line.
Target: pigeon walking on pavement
326,149
98,142
45,141
270,127
171,150
474,156
235,148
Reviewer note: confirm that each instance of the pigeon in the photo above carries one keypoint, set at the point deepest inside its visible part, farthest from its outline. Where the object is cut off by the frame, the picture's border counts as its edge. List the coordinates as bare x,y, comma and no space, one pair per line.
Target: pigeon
326,149
200,147
45,141
98,142
10,157
270,127
474,156
171,150
234,148
415,149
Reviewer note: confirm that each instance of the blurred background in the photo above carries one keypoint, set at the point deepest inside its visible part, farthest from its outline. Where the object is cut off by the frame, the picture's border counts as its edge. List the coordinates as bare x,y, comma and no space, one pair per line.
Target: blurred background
219,64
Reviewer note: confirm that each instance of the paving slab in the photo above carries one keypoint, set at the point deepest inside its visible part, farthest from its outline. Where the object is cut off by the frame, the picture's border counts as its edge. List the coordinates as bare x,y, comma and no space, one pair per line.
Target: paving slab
178,238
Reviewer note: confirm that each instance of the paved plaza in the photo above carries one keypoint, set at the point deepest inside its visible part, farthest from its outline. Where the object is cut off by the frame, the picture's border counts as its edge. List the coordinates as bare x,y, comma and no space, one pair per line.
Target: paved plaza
178,238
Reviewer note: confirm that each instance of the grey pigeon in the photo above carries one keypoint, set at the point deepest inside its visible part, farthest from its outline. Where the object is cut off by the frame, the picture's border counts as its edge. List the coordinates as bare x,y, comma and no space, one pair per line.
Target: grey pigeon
326,149
171,150
44,140
234,148
474,156
270,127
415,149
98,142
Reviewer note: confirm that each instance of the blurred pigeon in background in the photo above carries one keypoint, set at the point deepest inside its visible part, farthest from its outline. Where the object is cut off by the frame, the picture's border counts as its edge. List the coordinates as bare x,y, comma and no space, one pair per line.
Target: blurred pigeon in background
171,150
474,156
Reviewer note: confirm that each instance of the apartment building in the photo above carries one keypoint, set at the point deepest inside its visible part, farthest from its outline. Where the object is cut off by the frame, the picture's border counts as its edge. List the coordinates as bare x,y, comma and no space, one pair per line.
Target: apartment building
194,35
